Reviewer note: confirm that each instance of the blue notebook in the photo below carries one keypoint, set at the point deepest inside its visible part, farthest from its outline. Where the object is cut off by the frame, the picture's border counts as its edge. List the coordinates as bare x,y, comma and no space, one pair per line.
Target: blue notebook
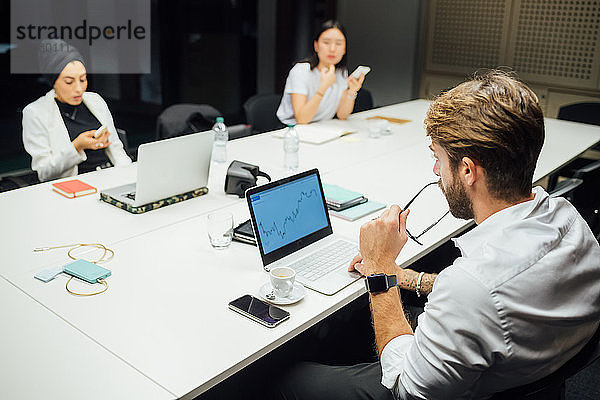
338,196
358,211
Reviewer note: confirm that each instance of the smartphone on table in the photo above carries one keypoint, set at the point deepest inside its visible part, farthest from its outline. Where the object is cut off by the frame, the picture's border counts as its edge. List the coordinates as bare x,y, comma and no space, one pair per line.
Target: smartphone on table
259,311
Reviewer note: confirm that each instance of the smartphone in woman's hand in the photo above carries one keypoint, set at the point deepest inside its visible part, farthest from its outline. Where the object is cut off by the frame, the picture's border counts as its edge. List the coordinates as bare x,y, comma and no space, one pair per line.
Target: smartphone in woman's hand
100,131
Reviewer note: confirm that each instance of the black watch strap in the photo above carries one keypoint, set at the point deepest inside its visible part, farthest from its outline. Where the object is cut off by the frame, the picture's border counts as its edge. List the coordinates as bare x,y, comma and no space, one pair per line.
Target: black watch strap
379,283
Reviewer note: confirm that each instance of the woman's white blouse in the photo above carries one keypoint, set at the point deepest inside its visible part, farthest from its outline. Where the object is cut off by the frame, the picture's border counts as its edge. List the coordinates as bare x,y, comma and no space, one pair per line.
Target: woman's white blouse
303,80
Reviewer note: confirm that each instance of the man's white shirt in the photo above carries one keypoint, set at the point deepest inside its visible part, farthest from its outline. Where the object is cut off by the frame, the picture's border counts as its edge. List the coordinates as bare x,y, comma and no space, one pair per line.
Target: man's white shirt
523,298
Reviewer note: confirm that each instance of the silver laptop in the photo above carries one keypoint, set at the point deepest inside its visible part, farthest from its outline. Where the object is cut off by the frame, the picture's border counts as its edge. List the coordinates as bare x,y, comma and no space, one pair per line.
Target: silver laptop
292,228
166,168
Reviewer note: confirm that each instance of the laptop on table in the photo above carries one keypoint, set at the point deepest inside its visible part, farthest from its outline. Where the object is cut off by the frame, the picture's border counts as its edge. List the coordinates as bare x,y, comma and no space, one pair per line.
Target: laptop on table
292,228
168,171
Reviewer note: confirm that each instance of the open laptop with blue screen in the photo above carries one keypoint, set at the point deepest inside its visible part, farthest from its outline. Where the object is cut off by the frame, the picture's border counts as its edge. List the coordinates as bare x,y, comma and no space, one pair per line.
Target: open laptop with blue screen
292,228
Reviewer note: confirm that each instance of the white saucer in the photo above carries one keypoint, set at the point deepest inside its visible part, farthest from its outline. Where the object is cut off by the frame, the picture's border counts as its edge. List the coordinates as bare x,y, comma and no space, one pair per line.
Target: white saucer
297,294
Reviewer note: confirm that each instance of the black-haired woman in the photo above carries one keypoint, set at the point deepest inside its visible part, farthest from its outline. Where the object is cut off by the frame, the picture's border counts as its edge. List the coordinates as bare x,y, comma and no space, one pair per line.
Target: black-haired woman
318,87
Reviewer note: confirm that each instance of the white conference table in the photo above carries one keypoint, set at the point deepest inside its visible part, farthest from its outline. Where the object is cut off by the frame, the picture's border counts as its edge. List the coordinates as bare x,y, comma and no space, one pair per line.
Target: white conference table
165,313
44,356
38,217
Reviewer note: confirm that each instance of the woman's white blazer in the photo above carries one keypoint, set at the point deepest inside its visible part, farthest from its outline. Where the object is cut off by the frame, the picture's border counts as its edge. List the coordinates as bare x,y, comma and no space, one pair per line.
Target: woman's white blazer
47,140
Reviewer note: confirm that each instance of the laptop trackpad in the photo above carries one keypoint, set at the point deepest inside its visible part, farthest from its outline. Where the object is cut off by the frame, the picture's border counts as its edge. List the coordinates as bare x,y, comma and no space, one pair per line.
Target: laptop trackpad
344,271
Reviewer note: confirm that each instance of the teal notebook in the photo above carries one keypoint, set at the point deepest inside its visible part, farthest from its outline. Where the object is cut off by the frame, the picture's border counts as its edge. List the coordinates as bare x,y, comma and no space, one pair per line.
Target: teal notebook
358,211
338,196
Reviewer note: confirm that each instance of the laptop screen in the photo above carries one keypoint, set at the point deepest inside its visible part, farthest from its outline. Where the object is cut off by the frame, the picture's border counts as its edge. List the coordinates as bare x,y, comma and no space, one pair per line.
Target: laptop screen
288,214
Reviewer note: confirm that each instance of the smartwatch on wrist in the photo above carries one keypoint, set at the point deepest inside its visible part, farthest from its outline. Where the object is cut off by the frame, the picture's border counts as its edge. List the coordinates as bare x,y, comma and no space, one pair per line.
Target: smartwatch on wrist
378,283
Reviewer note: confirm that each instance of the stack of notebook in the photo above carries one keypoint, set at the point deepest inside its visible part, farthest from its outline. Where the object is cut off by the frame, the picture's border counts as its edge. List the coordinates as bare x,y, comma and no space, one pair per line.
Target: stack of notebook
339,199
348,204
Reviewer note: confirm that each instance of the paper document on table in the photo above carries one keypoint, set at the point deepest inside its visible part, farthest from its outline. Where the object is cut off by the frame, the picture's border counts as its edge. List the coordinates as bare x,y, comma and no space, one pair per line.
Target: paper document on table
316,134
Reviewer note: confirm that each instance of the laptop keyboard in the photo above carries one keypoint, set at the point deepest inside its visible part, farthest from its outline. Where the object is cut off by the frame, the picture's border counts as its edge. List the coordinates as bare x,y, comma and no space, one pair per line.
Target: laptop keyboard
327,259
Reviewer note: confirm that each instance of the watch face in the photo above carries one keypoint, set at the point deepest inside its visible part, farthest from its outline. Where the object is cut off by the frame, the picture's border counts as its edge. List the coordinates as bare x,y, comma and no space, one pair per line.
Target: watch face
377,283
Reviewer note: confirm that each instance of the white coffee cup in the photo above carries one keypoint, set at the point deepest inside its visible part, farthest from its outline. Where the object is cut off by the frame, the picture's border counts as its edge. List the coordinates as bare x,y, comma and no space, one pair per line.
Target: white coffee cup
282,280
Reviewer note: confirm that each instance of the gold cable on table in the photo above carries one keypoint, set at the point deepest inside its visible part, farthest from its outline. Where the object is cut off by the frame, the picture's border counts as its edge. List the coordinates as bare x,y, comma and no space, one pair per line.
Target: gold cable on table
107,254
102,281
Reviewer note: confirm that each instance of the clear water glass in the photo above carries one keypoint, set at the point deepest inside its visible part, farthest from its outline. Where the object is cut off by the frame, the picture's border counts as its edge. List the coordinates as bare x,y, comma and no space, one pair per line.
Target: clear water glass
220,229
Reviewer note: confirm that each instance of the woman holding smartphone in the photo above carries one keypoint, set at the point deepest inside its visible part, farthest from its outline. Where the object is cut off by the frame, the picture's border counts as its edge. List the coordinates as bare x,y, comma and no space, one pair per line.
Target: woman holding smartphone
60,129
318,87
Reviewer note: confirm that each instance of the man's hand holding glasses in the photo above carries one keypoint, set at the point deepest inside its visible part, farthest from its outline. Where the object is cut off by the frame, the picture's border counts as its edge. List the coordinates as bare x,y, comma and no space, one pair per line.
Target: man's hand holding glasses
375,234
381,240
427,190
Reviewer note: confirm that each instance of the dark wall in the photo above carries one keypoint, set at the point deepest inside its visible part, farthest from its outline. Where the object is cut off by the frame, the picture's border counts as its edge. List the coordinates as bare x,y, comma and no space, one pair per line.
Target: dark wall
296,24
208,50
203,51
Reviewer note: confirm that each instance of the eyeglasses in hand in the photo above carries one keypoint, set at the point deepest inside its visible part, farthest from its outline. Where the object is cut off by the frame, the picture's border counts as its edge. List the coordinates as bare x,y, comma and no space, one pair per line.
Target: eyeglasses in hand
416,237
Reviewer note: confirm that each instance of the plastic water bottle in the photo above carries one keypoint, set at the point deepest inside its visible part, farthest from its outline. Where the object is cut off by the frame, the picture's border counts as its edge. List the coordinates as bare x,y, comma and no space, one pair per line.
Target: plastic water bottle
220,143
290,148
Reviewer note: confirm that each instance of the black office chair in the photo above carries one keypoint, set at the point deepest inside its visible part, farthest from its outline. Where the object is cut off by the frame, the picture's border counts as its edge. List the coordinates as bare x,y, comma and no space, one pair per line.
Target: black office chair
587,113
582,191
18,180
363,102
183,119
586,197
565,188
261,112
552,387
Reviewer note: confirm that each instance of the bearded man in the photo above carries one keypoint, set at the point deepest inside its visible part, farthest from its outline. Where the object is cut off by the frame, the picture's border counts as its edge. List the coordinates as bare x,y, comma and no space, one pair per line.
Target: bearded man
523,297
